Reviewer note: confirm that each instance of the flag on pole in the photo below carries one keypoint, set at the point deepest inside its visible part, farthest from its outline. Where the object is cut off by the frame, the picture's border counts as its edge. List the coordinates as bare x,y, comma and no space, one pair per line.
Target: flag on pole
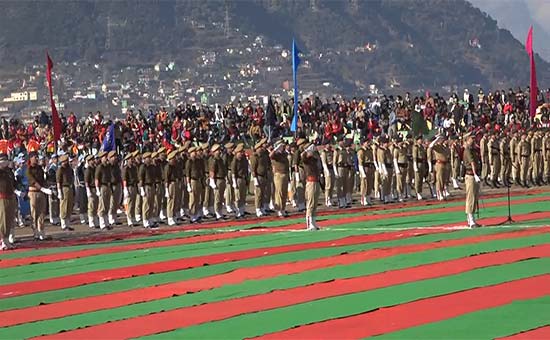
109,140
56,122
295,63
533,88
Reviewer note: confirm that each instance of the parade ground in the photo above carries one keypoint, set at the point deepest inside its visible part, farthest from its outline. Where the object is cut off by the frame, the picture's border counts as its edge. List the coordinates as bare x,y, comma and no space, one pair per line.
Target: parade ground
403,271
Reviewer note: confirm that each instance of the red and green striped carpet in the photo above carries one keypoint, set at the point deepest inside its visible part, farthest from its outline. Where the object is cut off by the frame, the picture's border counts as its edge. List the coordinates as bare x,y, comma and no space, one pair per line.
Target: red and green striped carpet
404,272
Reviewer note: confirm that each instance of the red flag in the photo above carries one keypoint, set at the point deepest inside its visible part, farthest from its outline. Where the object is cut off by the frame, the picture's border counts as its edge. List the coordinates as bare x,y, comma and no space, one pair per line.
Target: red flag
56,122
533,88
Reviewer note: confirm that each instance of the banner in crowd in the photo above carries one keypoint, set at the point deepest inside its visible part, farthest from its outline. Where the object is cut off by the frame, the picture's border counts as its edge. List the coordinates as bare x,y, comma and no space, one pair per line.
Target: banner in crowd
533,88
56,121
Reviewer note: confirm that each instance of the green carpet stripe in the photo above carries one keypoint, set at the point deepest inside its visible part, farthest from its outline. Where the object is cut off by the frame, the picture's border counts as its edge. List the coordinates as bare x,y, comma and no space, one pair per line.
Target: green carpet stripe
162,278
277,223
137,257
254,287
255,324
490,323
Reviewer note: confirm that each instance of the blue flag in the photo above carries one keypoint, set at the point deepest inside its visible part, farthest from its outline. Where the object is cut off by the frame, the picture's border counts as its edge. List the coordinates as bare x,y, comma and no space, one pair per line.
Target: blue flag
295,63
109,139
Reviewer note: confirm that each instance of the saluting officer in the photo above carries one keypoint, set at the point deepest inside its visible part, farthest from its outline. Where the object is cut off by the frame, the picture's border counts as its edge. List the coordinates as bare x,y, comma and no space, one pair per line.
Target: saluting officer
103,189
311,160
279,162
65,192
240,172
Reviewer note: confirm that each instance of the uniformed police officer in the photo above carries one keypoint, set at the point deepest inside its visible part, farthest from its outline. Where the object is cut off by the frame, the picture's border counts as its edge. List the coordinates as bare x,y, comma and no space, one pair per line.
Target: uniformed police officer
259,162
194,172
65,192
146,182
130,188
37,195
8,203
116,187
327,158
170,182
311,160
240,173
229,190
103,189
217,170
471,180
419,161
89,182
279,162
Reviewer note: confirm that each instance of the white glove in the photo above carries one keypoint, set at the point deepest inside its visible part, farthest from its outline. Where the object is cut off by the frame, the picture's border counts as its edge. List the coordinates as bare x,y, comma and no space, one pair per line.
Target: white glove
46,191
429,167
377,166
297,176
18,193
189,188
166,193
325,170
60,195
98,192
88,193
126,192
256,183
234,183
415,167
142,192
362,172
212,183
397,171
385,172
477,179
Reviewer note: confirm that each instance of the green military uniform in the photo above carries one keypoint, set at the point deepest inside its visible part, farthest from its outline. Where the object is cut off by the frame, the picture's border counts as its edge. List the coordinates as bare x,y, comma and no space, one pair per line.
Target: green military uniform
65,187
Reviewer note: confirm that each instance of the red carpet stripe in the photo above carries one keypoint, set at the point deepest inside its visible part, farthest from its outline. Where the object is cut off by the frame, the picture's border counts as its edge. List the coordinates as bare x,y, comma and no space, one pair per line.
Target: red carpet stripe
185,317
420,312
537,333
90,304
205,238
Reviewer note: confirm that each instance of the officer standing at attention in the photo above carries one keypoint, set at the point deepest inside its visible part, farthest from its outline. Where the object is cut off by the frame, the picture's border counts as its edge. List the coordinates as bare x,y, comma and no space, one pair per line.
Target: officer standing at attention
89,182
37,195
471,164
170,182
65,192
239,171
146,184
194,172
217,171
311,160
8,202
103,189
116,187
130,182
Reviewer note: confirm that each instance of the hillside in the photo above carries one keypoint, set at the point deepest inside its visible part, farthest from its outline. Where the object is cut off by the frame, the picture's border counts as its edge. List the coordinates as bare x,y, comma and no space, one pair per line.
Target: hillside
419,44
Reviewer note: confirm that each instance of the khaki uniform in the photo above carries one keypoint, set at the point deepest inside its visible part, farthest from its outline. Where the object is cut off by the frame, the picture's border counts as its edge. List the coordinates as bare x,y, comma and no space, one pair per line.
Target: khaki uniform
159,198
146,182
8,203
484,149
419,159
441,156
240,173
350,179
524,154
327,157
208,194
494,158
312,173
229,190
384,158
455,162
298,179
103,180
400,164
180,189
171,184
259,165
546,157
505,160
341,172
471,186
514,158
218,172
116,190
65,181
365,162
194,172
279,163
536,159
93,201
38,200
130,179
